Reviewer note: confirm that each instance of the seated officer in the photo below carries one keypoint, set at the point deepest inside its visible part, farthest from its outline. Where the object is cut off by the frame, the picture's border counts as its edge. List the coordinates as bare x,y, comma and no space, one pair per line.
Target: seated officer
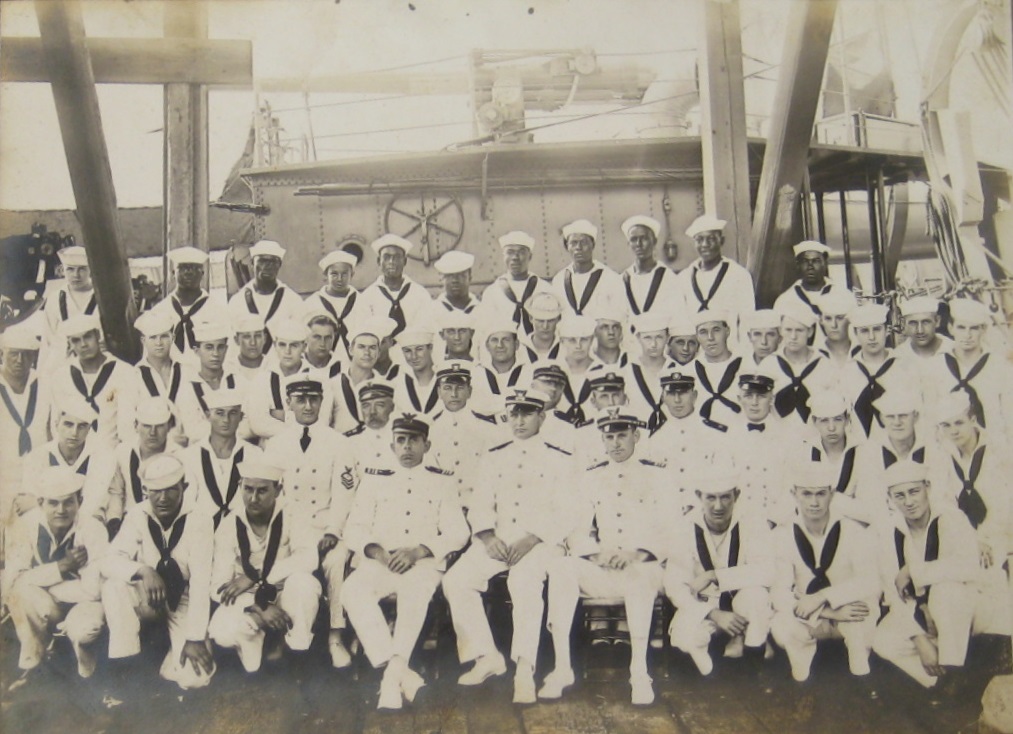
159,568
928,562
520,516
615,552
718,576
826,584
318,480
263,571
403,524
51,579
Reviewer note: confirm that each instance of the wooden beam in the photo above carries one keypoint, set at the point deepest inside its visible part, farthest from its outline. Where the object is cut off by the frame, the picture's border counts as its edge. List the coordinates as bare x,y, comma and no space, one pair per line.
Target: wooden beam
723,124
140,61
185,190
66,60
800,77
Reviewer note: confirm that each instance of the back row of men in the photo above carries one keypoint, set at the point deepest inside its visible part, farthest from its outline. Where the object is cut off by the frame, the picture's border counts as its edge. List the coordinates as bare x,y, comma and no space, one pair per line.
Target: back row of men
309,400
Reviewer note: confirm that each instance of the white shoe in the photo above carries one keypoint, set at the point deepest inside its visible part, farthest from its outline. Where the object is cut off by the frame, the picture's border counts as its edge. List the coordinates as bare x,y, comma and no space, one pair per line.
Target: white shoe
390,693
642,690
411,682
340,657
85,661
486,667
555,683
703,661
524,686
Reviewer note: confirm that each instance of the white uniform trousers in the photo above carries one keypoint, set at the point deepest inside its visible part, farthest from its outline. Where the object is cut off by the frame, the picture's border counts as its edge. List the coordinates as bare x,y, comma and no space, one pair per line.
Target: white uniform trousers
463,586
35,611
691,632
126,607
333,567
957,612
231,627
373,581
798,638
571,578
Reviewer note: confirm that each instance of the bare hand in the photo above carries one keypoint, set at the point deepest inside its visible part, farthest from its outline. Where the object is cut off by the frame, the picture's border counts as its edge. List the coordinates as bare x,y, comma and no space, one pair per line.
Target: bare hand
520,549
402,559
929,655
702,581
496,548
24,502
327,543
198,655
74,561
619,560
153,587
808,605
728,622
273,618
901,583
854,611
233,589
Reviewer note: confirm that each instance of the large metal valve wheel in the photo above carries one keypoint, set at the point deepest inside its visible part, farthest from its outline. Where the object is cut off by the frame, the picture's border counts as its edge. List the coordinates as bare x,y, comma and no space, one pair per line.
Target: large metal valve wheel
434,222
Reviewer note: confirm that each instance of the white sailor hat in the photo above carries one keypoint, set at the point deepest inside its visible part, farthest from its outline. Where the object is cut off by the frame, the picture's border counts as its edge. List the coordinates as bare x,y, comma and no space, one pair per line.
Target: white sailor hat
600,311
952,405
391,240
544,306
580,226
153,410
919,304
74,255
73,405
869,314
289,330
969,311
899,401
335,257
827,404
57,482
705,223
680,325
153,323
456,319
454,261
720,480
649,322
19,337
414,338
710,314
796,311
810,246
267,248
498,324
315,313
837,302
260,467
248,322
381,327
80,323
187,255
573,326
640,220
762,318
905,471
223,397
811,474
516,237
161,471
209,331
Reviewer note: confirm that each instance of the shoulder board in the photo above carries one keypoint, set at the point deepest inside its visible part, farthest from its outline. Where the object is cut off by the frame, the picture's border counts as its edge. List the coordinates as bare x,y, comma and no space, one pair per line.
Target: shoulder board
356,431
715,425
556,448
650,462
379,472
484,417
437,470
599,465
501,446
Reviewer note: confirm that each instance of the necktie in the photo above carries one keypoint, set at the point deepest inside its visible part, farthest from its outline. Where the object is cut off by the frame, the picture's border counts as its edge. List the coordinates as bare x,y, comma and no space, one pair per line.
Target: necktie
761,427
805,549
969,500
304,442
725,600
183,335
931,554
872,392
964,383
24,438
167,567
705,301
266,593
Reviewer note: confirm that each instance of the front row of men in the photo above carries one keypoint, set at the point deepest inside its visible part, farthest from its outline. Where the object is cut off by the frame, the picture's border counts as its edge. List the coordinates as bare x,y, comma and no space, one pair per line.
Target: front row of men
247,578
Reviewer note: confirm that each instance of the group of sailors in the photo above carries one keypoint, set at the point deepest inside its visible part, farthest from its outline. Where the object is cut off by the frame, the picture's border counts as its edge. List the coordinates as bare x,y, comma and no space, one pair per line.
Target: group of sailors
779,474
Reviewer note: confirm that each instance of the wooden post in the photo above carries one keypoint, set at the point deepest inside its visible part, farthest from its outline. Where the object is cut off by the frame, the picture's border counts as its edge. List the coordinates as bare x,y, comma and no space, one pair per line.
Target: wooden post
800,77
61,28
185,192
723,123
